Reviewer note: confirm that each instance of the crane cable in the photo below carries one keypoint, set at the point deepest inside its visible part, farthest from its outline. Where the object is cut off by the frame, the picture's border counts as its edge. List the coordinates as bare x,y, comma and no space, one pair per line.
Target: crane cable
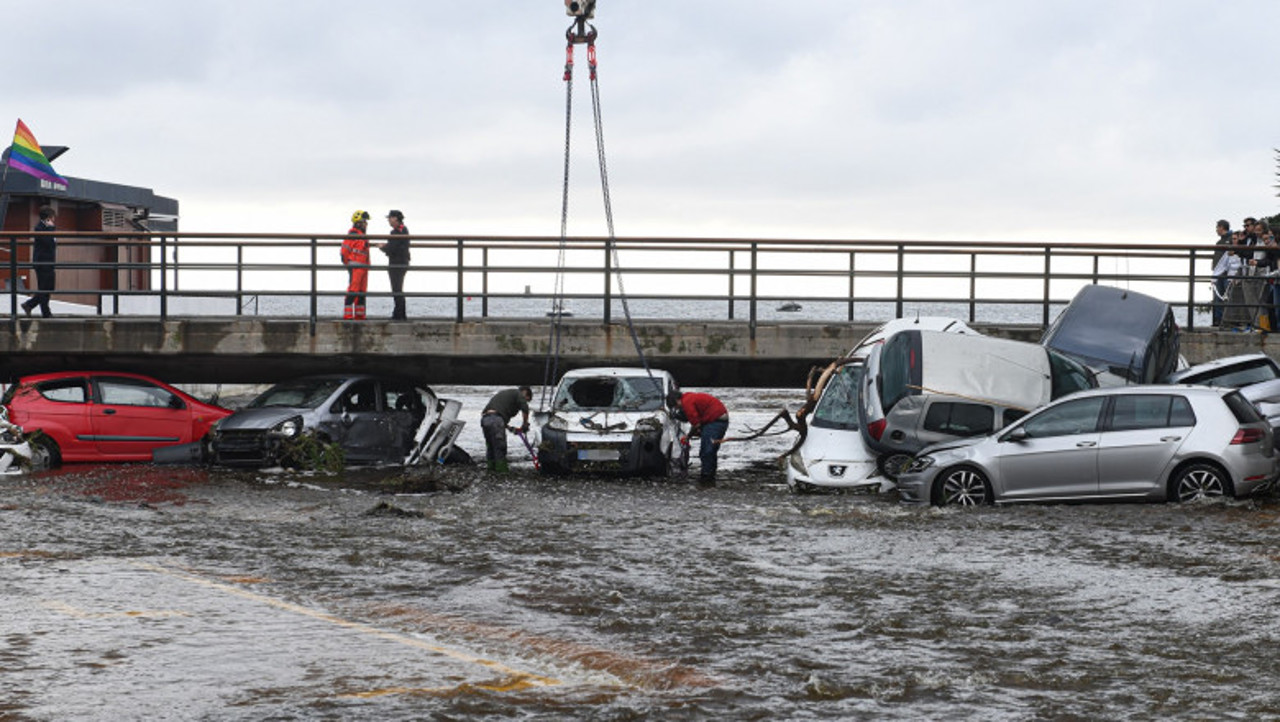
579,34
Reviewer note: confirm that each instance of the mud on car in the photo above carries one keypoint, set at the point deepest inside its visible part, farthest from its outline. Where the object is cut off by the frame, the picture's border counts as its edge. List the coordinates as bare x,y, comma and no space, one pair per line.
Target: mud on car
612,420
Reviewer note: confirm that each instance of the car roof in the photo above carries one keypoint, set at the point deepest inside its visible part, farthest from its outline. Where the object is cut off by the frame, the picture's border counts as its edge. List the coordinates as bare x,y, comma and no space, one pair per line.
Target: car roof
1149,389
1217,364
55,375
615,371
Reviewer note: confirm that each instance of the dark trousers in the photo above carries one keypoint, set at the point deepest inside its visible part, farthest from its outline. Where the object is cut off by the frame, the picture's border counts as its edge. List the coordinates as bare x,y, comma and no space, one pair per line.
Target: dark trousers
495,440
396,273
712,431
46,277
1219,298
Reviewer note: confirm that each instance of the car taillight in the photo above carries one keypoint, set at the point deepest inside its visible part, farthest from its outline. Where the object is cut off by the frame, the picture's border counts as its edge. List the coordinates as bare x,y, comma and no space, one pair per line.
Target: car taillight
876,428
1247,436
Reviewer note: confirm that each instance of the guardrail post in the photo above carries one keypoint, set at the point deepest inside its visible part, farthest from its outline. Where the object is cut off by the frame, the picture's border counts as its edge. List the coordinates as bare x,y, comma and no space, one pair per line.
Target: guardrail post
460,279
484,282
732,277
853,276
755,253
315,307
1048,259
1191,291
973,287
164,279
13,285
608,281
902,267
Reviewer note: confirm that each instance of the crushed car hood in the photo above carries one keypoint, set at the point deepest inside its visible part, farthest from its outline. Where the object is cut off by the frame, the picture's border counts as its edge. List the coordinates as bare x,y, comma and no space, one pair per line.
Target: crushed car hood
258,419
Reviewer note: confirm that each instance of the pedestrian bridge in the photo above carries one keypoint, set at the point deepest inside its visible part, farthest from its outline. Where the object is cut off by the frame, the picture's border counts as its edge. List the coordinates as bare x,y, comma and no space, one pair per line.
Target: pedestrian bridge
489,351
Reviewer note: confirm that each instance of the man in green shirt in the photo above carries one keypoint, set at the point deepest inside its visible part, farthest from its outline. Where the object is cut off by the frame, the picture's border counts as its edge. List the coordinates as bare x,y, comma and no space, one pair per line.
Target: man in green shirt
493,422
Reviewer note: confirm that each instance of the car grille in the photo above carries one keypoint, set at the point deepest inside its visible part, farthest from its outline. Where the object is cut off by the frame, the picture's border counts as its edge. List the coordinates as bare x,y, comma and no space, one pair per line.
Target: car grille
241,447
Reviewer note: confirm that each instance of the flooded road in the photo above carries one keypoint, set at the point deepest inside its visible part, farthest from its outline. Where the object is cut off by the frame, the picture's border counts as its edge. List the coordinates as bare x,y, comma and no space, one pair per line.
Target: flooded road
141,592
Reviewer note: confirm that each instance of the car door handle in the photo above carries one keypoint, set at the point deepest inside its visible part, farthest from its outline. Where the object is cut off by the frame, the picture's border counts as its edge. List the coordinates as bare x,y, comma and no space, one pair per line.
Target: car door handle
1171,438
1086,444
108,412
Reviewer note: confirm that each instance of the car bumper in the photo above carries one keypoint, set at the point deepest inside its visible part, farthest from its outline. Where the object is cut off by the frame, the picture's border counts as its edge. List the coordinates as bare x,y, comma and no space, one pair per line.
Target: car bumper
833,474
638,453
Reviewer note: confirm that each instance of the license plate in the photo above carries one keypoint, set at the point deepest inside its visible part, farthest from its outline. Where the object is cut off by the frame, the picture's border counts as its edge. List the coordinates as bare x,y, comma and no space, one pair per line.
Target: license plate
599,455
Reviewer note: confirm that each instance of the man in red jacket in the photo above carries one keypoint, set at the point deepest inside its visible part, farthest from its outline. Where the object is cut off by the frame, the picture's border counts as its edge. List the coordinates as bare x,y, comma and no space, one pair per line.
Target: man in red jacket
355,256
709,419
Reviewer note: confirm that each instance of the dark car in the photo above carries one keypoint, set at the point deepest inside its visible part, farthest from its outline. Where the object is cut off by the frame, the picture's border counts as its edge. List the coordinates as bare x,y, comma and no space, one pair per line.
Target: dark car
1124,336
375,420
106,415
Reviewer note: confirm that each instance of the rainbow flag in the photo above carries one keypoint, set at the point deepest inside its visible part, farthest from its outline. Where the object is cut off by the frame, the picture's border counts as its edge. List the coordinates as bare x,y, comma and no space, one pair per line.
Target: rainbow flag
25,155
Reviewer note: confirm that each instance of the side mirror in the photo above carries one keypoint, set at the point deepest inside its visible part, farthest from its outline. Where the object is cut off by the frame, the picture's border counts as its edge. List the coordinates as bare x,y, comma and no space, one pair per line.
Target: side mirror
1016,435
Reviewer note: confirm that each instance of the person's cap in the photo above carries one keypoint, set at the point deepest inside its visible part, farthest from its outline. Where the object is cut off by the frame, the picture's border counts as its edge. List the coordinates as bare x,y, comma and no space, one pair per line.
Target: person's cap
395,214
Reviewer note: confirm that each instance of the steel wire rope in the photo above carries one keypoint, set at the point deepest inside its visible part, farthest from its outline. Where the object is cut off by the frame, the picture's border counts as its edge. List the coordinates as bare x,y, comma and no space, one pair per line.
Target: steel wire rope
551,366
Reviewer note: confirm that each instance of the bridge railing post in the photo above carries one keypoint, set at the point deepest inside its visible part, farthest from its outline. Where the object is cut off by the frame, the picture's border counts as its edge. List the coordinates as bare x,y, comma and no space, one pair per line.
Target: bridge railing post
315,306
732,278
973,287
755,278
902,261
1048,263
608,281
164,279
1191,290
239,278
484,282
13,285
460,279
853,275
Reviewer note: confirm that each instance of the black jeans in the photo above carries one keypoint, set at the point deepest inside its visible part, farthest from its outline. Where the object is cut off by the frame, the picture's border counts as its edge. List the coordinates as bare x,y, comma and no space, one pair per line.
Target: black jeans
396,273
46,278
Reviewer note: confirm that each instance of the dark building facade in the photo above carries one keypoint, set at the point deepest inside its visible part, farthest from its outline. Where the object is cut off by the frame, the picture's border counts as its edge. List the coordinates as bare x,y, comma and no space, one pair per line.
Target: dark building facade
86,206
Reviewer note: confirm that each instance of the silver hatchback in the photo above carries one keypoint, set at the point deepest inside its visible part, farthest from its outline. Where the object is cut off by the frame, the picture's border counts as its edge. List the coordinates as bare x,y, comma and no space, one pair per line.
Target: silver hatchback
1135,442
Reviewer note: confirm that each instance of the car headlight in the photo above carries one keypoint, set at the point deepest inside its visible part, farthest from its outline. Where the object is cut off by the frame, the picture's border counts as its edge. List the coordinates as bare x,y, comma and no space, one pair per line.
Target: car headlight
918,464
797,463
288,428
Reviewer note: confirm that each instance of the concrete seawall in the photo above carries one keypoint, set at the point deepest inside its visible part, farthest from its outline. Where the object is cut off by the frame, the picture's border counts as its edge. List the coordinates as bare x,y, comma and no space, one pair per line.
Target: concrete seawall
490,351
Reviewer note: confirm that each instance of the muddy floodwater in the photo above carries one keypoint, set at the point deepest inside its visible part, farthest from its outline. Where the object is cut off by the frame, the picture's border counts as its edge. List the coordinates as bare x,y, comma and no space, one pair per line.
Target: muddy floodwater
145,592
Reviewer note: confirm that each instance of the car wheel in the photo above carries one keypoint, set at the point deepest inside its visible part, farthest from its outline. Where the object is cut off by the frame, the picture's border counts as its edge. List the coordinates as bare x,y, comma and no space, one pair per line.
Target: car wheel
892,464
1199,481
962,486
45,453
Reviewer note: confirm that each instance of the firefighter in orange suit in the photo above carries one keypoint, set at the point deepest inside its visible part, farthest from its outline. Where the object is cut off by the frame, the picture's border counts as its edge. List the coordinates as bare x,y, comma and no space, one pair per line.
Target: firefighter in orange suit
355,256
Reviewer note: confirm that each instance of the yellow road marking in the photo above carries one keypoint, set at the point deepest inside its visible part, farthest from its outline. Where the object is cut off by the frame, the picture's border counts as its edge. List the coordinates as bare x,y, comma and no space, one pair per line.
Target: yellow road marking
78,613
524,679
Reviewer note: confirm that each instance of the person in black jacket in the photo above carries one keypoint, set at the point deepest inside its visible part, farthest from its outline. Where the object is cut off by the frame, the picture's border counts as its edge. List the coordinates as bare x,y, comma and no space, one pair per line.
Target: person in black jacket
44,254
397,250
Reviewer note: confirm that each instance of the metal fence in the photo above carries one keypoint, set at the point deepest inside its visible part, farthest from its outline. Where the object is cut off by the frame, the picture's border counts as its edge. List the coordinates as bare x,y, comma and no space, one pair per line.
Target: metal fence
469,278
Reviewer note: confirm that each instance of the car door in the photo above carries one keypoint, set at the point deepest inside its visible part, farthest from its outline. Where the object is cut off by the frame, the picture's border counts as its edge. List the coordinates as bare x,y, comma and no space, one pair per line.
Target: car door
1140,439
129,417
366,430
1053,453
404,410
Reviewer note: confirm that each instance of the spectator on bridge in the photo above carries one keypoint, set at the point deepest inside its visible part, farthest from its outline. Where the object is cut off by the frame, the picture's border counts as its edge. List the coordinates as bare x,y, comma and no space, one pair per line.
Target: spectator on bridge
493,422
44,255
1221,276
708,419
397,250
355,256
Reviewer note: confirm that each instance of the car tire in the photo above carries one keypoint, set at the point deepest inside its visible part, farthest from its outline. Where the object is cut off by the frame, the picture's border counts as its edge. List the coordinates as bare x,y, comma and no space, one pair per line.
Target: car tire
45,452
962,486
892,464
1199,480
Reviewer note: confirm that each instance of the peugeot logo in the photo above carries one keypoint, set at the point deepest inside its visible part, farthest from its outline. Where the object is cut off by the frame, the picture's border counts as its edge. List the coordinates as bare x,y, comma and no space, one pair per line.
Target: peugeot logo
837,470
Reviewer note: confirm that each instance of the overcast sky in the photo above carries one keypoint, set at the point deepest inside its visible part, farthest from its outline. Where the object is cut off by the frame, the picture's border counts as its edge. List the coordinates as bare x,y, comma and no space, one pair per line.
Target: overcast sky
1068,120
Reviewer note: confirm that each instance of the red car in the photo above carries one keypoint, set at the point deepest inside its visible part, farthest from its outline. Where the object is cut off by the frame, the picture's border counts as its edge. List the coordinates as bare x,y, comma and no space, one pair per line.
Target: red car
106,415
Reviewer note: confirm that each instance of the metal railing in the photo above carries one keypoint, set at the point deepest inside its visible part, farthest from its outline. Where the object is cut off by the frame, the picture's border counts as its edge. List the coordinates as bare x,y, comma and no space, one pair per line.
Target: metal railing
470,277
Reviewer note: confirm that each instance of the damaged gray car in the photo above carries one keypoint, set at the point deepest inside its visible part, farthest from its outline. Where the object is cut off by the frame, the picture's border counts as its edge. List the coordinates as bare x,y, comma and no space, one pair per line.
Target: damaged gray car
374,420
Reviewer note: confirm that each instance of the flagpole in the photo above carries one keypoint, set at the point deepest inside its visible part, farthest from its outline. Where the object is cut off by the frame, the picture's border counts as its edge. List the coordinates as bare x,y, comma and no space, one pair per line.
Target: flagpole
9,244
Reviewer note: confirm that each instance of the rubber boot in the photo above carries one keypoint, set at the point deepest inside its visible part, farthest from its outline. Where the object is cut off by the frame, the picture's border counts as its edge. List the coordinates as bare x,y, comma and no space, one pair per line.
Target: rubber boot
348,313
359,313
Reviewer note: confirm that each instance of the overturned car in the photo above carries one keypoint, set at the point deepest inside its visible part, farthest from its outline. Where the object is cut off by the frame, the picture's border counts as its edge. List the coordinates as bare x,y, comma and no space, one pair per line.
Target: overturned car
613,420
373,420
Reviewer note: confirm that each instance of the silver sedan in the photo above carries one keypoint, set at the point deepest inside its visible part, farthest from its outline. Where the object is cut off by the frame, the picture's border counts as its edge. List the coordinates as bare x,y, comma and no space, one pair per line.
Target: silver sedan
1135,442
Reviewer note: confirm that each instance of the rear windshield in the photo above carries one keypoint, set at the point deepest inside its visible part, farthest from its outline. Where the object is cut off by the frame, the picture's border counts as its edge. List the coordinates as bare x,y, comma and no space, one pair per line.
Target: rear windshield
838,406
1244,411
1235,376
899,369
